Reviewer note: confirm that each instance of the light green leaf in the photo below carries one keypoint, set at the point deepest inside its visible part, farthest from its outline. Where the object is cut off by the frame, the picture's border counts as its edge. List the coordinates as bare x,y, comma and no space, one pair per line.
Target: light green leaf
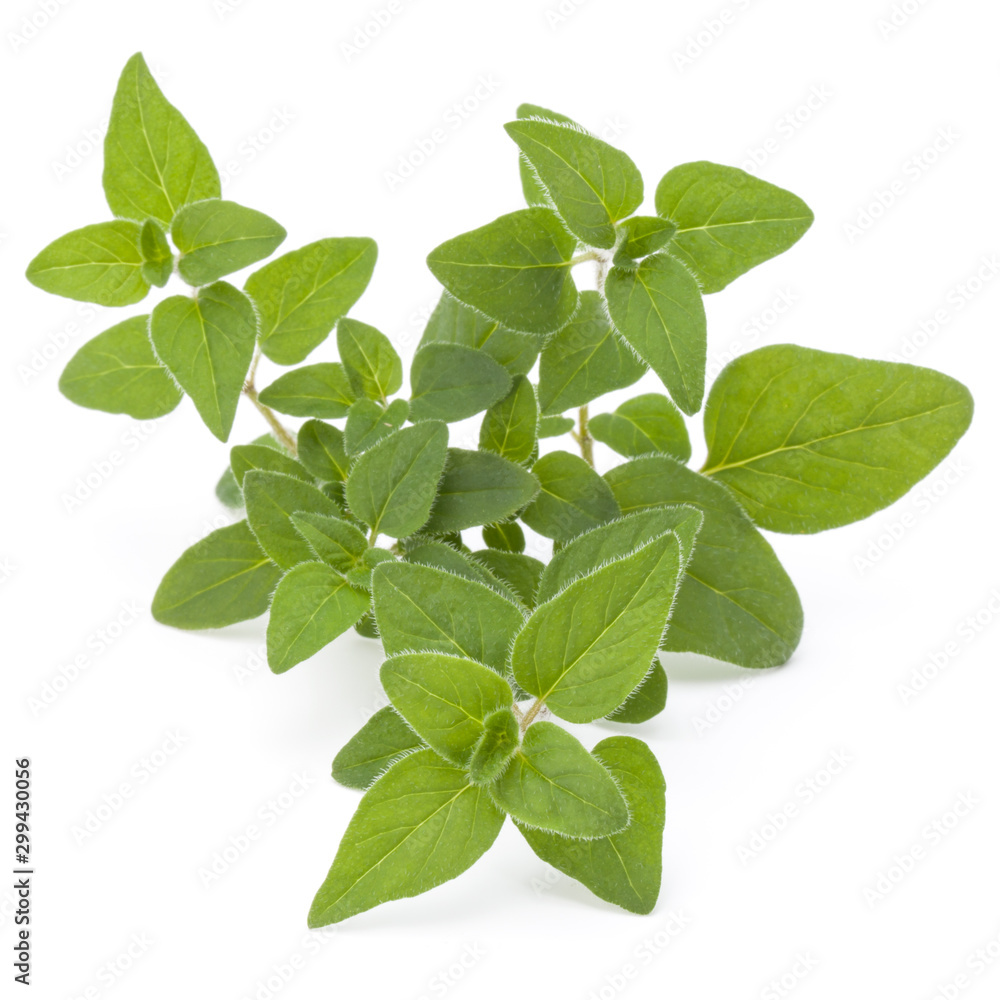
515,270
646,701
419,825
554,426
312,606
573,498
117,372
271,500
217,237
584,360
372,364
520,572
455,323
302,294
207,343
585,650
368,422
510,427
644,425
657,308
728,221
623,868
451,382
552,783
246,458
592,184
378,744
100,263
419,607
158,258
222,579
392,486
506,536
499,742
534,192
446,699
336,541
153,161
642,235
477,488
809,440
321,390
227,489
322,451
737,602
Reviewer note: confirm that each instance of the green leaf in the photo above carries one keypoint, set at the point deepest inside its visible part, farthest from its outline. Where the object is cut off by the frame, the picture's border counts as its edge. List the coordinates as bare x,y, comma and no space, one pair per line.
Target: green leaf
728,221
117,372
367,423
246,458
506,536
302,294
320,390
498,743
157,257
336,541
534,193
584,651
443,556
644,425
455,323
592,184
419,607
392,486
515,269
271,500
154,163
657,308
552,783
322,451
451,382
737,602
642,235
384,739
217,237
100,263
312,606
510,427
520,572
222,579
419,825
207,343
446,699
372,364
227,489
584,360
646,701
554,426
361,574
477,488
809,440
623,868
573,498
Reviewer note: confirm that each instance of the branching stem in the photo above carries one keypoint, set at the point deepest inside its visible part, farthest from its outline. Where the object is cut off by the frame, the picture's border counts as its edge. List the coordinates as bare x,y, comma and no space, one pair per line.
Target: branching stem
250,391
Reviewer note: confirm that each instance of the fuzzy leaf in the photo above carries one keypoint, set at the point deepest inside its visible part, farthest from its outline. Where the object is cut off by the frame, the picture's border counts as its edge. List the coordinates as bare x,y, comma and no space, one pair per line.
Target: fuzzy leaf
554,426
573,498
451,382
246,458
372,364
321,390
443,556
643,235
157,257
337,542
368,422
506,536
519,572
498,743
322,451
643,425
379,743
510,426
534,193
646,701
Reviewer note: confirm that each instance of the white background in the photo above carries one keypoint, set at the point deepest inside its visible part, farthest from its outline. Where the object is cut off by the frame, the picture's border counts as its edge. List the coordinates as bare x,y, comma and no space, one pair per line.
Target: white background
736,748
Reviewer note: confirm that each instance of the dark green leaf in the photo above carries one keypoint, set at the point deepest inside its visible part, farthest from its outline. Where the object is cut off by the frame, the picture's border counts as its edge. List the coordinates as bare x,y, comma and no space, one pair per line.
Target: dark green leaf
372,364
320,390
246,458
643,235
368,422
322,451
337,542
644,425
647,700
227,489
506,536
554,426
451,382
378,744
520,572
534,192
442,556
498,743
573,498
510,426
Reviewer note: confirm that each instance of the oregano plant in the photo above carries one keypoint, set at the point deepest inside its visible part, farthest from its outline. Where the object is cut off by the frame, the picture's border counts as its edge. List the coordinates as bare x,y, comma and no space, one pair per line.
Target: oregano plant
361,514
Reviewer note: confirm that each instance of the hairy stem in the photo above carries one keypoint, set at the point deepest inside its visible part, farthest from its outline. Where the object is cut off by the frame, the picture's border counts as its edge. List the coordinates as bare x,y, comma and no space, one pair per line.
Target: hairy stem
583,438
529,716
281,432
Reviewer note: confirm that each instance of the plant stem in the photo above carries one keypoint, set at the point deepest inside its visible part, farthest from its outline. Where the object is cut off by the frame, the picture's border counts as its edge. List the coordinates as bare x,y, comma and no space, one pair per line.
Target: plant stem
583,437
529,716
250,391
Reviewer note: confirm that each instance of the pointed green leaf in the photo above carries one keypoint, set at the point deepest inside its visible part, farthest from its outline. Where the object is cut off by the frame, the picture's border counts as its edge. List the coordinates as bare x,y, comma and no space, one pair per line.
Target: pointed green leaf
498,743
520,572
809,440
622,868
312,606
592,184
246,458
322,451
158,259
584,651
419,607
515,270
372,364
271,500
227,489
506,536
337,542
573,498
217,237
384,739
510,427
392,486
222,579
643,425
534,192
451,382
207,343
477,488
117,372
657,308
320,390
646,701
737,602
554,426
419,825
302,294
642,235
368,422
584,360
100,263
442,556
552,783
